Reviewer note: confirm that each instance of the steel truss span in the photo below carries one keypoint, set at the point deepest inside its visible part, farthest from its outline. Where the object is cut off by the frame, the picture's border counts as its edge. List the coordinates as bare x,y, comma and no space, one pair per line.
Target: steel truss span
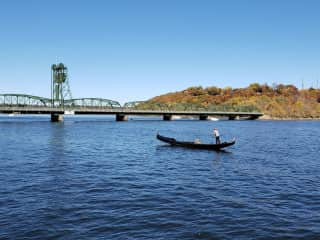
21,100
11,99
132,104
92,102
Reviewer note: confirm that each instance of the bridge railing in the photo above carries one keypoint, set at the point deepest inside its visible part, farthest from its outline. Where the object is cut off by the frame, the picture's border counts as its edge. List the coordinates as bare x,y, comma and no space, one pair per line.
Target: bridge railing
191,107
22,100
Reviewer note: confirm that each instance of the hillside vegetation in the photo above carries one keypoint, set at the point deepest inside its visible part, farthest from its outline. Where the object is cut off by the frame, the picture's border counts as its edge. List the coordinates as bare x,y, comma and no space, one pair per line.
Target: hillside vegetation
277,101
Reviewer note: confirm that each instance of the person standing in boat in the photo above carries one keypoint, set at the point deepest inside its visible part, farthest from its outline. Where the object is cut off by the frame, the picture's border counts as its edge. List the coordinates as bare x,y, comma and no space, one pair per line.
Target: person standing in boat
217,135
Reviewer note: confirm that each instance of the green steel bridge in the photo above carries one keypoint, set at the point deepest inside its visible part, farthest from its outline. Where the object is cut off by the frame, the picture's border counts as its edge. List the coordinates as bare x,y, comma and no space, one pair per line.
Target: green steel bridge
24,100
61,102
28,104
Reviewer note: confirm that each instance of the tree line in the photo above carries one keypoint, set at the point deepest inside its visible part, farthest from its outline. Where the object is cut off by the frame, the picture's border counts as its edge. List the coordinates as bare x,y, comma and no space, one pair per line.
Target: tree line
276,101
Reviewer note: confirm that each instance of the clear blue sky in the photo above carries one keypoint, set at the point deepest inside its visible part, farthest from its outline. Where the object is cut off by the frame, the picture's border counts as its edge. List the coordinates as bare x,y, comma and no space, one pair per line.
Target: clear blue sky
136,49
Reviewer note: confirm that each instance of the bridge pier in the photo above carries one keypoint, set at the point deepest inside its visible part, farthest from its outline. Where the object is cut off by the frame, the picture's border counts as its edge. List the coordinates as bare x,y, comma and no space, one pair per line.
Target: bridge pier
56,117
121,117
203,117
167,117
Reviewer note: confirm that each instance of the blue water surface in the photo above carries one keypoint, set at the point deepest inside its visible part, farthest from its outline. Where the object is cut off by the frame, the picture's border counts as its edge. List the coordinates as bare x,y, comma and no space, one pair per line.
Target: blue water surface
94,178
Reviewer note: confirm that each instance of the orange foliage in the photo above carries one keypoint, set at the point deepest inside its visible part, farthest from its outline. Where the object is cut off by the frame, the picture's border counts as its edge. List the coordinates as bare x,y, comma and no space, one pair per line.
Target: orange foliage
281,101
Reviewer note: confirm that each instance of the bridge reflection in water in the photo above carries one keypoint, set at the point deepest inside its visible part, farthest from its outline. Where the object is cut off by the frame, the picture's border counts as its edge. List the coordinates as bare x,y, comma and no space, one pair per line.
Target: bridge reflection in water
28,104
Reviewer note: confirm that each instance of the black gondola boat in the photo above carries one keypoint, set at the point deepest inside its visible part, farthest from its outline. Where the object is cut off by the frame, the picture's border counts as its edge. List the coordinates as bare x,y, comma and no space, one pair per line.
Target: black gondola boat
195,145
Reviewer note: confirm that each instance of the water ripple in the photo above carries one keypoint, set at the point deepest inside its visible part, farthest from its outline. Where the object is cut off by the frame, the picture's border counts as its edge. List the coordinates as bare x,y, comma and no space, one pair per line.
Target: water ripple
106,180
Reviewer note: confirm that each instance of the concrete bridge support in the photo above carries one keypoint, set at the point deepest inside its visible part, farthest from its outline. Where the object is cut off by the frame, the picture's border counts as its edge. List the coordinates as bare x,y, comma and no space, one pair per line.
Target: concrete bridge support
56,117
203,117
121,117
167,117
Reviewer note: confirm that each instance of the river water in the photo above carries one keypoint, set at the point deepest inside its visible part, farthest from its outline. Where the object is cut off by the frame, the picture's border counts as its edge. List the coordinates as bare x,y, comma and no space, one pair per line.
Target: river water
94,178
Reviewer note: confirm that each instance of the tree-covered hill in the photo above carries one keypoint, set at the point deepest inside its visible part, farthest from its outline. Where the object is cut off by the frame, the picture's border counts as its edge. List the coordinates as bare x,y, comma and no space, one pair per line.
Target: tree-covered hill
277,101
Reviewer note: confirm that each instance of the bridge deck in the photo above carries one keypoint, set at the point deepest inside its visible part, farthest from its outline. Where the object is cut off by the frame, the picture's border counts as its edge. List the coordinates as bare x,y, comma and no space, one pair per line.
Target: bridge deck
115,111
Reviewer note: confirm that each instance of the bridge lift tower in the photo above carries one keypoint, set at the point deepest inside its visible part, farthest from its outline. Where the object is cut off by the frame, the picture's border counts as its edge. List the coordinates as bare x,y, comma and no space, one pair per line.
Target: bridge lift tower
60,89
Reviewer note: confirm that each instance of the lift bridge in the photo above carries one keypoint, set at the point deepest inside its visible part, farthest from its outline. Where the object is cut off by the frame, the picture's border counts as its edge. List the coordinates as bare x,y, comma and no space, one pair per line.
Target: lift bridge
61,102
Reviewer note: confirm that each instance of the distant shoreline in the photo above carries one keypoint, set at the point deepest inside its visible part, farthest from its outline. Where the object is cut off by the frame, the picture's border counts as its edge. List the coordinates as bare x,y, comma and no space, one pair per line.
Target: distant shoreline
277,102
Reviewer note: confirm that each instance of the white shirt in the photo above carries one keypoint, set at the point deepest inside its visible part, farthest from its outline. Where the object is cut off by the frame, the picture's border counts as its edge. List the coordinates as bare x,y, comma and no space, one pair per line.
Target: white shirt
216,132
